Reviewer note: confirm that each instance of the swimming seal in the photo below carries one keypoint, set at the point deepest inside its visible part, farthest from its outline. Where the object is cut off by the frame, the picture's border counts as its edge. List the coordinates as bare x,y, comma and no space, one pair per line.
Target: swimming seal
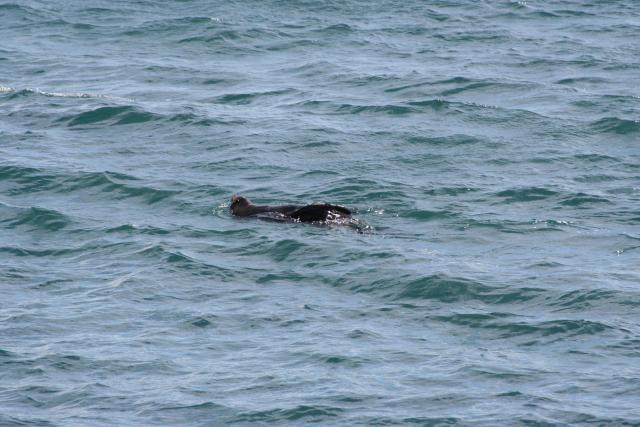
316,212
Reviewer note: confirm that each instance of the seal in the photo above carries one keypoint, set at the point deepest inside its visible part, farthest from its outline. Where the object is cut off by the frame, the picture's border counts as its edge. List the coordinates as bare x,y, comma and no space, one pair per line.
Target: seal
316,212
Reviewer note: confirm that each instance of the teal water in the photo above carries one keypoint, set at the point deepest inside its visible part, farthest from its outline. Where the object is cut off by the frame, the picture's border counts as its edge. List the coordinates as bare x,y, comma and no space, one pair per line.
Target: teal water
492,148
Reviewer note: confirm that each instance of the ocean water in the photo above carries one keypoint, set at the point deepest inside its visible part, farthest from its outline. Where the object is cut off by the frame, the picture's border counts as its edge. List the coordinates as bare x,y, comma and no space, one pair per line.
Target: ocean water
492,148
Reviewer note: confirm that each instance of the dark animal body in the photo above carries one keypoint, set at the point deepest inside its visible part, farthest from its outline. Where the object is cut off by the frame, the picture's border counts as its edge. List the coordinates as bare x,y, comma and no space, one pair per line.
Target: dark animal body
317,212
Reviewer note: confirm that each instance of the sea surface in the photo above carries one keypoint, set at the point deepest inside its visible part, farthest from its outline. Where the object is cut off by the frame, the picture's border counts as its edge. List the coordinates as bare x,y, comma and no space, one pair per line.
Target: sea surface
489,149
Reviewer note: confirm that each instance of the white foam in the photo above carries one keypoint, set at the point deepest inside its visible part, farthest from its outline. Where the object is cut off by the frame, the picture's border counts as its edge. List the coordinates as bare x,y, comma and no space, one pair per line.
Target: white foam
79,95
5,89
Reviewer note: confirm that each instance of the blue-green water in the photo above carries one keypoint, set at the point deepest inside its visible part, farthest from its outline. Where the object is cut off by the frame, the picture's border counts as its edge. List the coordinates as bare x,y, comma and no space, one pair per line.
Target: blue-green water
491,146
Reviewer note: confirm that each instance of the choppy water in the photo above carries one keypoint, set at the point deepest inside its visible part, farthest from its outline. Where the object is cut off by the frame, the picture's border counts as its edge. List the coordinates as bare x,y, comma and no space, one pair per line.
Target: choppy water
492,147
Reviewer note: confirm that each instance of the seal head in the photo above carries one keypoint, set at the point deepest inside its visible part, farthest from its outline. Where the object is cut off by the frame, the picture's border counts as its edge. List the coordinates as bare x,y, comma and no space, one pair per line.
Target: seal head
240,206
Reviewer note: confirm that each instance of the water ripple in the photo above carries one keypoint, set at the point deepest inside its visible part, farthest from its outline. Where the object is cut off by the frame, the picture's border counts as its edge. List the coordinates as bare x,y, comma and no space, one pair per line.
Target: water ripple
487,150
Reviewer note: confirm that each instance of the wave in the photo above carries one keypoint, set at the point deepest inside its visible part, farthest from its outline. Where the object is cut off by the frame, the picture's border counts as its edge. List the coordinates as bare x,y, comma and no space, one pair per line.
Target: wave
130,115
132,229
526,194
475,36
301,413
71,362
370,81
530,62
22,252
356,193
36,218
117,185
534,194
337,28
427,215
580,199
449,140
26,92
83,249
173,259
453,80
23,11
512,227
581,80
566,327
30,179
436,104
499,323
223,38
482,114
616,125
248,98
484,85
203,321
178,26
472,320
583,298
329,107
596,178
596,158
445,288
121,115
289,44
189,119
311,69
450,191
569,12
284,248
279,251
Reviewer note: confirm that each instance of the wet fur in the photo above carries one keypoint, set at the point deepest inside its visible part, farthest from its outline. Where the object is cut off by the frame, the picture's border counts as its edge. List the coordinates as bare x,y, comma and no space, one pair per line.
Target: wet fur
317,212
